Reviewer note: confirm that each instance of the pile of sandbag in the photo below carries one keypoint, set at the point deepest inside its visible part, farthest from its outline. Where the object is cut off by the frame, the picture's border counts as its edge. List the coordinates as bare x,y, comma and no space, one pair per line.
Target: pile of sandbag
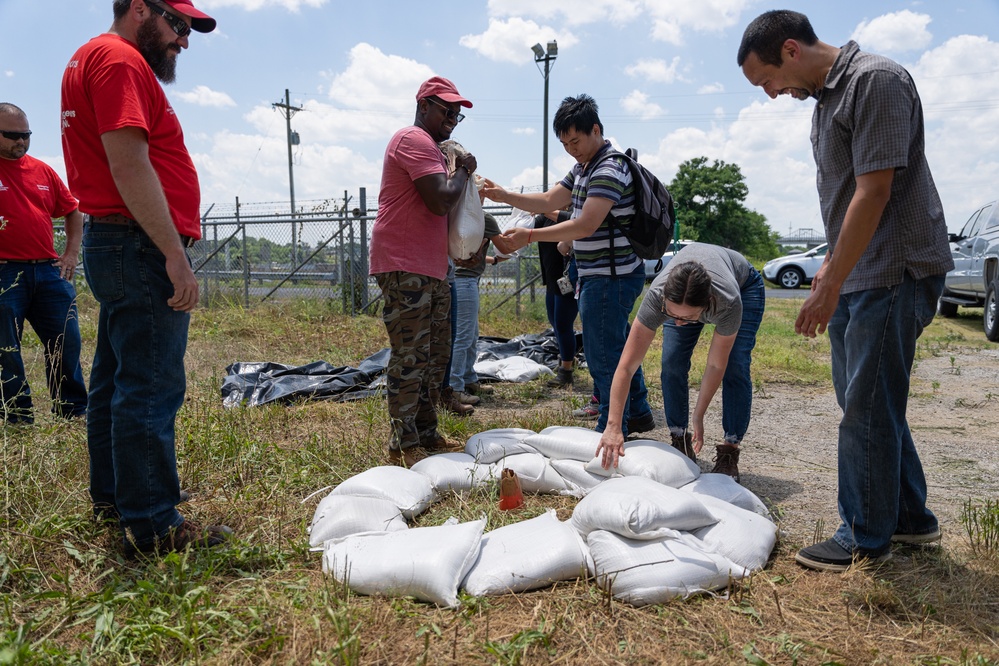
650,530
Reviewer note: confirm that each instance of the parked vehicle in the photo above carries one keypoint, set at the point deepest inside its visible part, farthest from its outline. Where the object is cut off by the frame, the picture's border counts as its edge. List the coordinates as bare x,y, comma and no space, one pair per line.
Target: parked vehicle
794,270
650,264
974,282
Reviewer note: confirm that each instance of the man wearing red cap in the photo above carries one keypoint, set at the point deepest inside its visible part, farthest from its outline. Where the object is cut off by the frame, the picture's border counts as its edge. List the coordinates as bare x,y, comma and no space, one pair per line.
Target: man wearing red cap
126,160
409,261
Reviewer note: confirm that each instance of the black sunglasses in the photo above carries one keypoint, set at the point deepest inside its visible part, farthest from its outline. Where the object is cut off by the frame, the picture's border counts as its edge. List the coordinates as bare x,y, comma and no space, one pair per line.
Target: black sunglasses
176,23
450,114
14,136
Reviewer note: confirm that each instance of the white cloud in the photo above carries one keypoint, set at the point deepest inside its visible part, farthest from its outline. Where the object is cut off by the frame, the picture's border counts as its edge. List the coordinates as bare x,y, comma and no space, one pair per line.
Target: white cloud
896,32
637,103
656,70
670,18
711,89
205,96
527,131
571,12
8,73
511,40
253,5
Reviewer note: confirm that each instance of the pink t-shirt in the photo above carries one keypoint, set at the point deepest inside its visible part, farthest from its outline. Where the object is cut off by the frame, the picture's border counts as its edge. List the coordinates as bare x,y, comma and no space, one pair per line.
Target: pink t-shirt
406,236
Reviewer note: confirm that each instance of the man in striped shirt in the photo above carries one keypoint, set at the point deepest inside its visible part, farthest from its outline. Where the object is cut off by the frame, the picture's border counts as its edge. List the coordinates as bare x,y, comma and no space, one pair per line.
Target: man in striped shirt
611,275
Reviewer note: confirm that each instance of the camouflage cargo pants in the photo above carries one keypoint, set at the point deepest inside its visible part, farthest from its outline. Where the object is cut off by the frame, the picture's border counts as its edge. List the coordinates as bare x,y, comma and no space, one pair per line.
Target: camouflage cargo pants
417,317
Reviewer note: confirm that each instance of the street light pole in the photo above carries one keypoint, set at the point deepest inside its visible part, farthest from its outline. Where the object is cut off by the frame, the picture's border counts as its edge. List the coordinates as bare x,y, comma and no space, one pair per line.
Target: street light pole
547,57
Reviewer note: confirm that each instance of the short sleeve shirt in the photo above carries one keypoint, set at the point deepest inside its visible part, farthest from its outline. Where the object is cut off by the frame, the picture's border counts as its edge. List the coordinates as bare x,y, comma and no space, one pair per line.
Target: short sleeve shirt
869,118
729,271
492,229
31,195
107,86
605,179
406,235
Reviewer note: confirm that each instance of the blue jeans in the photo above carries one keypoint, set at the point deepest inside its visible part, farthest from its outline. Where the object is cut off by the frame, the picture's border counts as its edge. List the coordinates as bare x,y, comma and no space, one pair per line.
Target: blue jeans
882,489
562,310
36,292
466,326
605,304
137,382
737,385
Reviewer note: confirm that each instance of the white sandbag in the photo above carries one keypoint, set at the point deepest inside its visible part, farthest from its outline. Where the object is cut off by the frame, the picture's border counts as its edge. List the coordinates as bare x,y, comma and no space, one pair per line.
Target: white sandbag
423,562
513,369
653,572
724,487
466,221
653,460
516,218
408,490
455,471
639,508
525,556
566,442
744,537
342,515
492,445
574,472
536,473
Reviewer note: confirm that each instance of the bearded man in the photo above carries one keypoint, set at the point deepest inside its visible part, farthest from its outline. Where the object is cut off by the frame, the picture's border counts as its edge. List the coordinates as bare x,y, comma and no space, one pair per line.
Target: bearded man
127,163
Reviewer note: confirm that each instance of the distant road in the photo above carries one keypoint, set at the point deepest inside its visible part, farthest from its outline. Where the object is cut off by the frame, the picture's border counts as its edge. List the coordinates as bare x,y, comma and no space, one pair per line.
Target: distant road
777,292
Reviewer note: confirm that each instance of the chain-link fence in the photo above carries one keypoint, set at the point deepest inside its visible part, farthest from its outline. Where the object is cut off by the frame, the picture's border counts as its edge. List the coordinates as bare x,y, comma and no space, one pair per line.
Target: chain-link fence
249,254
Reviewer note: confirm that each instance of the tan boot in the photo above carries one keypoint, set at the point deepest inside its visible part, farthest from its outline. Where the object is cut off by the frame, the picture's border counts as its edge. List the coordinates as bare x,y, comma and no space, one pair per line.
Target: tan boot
450,402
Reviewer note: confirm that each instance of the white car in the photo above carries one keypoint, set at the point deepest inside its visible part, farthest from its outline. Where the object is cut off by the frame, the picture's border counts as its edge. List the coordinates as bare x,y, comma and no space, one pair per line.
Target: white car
794,270
650,264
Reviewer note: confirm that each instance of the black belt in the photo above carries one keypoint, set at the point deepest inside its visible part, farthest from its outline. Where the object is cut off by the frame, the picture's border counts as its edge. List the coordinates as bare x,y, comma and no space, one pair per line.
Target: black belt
27,261
123,220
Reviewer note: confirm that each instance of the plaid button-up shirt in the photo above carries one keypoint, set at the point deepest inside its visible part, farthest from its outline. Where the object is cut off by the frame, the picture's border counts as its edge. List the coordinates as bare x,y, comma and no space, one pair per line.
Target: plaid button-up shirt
869,118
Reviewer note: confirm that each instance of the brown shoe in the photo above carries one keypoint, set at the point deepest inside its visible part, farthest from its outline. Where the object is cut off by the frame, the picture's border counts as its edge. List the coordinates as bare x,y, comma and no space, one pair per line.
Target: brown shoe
435,442
727,461
467,398
406,457
186,535
478,388
683,445
450,402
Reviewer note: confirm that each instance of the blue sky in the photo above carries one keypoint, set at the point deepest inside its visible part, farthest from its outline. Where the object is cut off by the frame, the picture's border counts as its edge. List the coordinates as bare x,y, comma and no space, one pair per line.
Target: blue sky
663,72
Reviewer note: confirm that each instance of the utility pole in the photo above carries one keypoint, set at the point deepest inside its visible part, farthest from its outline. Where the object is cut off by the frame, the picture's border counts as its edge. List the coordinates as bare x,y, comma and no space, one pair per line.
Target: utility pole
547,57
293,140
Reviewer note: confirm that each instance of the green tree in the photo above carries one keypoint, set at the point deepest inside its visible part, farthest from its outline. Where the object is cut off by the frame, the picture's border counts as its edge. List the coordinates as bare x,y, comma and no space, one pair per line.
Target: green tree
710,209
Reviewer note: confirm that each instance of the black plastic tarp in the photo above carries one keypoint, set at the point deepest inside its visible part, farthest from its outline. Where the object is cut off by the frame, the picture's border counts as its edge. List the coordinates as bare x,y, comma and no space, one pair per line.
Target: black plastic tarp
260,383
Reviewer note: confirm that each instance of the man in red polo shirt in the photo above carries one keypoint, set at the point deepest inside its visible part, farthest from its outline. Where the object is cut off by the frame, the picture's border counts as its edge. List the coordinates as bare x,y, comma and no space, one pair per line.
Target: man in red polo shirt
34,279
127,162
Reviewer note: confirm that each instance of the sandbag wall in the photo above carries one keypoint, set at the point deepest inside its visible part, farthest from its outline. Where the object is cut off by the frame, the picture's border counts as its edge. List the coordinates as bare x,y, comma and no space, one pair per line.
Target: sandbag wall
650,530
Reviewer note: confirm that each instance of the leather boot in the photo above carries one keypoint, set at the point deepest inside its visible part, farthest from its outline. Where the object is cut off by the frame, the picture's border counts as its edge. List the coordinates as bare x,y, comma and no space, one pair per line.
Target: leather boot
727,461
562,378
682,443
450,402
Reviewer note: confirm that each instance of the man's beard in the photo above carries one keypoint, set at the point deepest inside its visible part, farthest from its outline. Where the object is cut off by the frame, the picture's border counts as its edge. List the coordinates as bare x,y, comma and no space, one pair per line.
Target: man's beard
157,54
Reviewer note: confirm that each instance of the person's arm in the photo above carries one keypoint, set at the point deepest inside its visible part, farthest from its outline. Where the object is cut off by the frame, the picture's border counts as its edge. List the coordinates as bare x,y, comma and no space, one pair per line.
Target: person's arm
714,372
477,258
441,192
595,210
503,246
127,151
71,255
862,218
532,202
611,445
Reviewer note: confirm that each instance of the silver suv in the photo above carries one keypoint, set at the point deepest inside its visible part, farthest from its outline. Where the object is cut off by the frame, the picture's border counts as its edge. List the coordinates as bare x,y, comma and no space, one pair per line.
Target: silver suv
794,270
974,282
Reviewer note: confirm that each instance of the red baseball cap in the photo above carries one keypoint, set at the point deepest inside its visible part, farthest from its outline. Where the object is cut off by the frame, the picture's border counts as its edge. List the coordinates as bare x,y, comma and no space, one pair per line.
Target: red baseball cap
200,21
438,86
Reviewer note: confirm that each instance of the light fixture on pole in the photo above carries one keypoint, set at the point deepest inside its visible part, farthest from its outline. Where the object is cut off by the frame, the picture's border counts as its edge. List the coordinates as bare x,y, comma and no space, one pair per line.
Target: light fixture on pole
547,57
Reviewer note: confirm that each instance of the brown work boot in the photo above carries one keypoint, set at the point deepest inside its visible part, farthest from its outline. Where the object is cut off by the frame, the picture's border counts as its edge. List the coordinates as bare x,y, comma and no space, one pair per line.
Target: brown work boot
478,388
186,535
450,402
727,461
406,457
562,378
682,443
467,398
434,442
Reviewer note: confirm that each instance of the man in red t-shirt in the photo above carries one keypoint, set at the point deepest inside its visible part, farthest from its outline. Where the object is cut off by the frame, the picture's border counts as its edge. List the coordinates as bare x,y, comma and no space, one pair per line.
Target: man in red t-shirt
409,261
34,279
127,162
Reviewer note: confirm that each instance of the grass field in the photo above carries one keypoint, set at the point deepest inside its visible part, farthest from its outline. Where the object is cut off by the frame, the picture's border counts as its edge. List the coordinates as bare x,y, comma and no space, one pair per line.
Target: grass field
67,596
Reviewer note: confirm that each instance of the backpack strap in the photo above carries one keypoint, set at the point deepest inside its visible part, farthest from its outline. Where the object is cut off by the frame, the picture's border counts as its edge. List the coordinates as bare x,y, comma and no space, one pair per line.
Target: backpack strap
610,219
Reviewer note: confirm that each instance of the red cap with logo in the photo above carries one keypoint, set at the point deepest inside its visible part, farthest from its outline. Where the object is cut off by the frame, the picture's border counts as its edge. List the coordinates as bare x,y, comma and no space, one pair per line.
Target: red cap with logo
438,86
200,21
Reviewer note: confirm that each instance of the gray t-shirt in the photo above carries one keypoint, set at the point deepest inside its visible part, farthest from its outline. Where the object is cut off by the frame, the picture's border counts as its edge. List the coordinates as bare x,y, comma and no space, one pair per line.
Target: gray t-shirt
729,270
492,229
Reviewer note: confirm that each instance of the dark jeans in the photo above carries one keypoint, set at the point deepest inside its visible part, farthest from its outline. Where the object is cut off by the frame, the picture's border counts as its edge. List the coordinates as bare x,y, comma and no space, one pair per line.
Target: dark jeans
137,382
37,293
562,310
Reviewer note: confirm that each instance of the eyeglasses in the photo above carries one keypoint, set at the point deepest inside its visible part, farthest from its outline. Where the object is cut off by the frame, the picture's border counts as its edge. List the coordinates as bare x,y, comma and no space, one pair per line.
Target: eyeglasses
14,136
451,114
669,314
176,23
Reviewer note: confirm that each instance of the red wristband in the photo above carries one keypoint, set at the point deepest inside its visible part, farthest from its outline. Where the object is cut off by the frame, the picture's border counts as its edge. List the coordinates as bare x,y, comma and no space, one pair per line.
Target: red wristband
529,234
